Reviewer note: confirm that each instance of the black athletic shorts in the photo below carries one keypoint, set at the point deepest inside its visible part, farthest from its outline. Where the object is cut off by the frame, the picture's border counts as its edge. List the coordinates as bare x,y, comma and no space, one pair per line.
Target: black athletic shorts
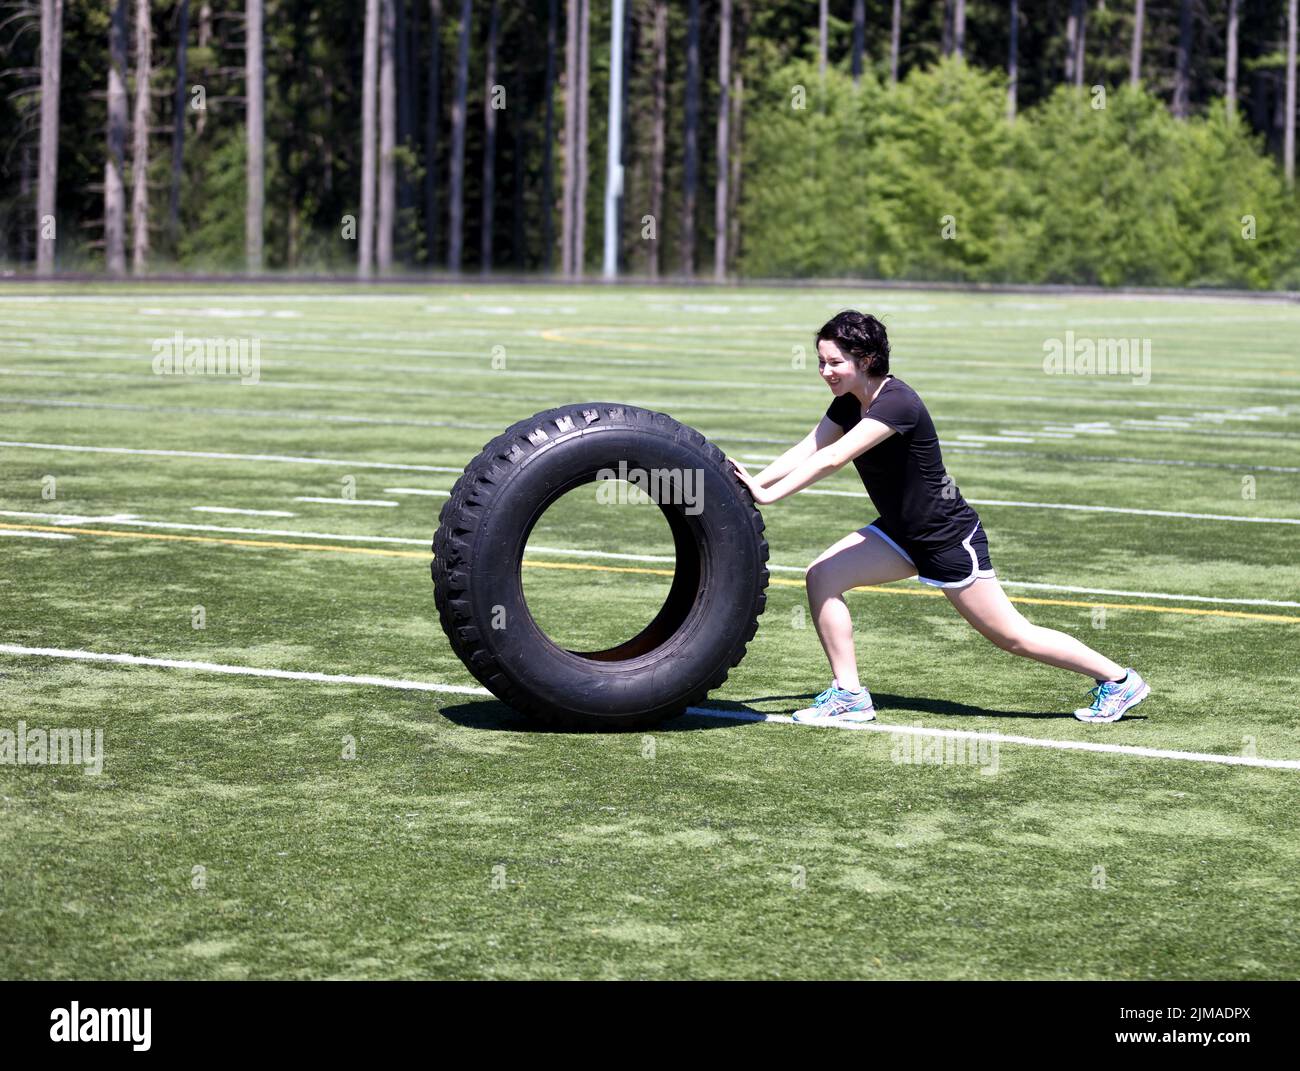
953,566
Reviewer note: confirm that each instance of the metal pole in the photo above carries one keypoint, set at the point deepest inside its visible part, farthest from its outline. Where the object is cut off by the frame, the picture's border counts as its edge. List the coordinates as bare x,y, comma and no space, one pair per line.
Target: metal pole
613,169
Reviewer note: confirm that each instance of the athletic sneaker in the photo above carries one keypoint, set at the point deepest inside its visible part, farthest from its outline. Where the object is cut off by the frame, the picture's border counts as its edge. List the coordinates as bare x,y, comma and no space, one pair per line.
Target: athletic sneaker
838,705
1110,699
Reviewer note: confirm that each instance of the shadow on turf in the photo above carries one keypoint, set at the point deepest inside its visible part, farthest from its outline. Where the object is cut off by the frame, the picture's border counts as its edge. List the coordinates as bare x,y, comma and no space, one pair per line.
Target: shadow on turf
492,714
495,715
887,704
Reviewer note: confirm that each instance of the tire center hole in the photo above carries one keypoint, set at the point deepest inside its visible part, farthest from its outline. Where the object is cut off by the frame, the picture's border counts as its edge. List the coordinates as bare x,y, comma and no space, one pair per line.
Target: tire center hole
596,603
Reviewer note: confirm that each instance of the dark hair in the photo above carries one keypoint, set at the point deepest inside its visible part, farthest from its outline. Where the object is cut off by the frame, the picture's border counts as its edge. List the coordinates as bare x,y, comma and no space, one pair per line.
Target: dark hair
860,337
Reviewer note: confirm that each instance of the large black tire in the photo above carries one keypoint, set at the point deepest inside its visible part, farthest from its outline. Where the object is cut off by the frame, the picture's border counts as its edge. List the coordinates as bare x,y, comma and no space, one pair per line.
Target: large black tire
713,603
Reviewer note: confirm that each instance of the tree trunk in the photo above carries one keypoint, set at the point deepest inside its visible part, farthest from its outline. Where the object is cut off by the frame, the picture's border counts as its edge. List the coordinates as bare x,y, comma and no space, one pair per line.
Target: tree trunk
114,186
405,106
1288,144
205,39
387,135
571,83
895,33
689,153
1013,60
489,140
724,143
1081,37
369,92
431,134
253,227
737,142
1071,40
48,168
178,127
1182,69
456,207
548,147
859,36
657,139
822,31
1230,89
618,24
1135,59
584,95
140,139
959,27
519,147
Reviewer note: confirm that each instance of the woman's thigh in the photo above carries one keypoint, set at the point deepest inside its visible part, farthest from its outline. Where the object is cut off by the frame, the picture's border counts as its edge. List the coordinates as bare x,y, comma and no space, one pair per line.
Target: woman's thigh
860,559
985,605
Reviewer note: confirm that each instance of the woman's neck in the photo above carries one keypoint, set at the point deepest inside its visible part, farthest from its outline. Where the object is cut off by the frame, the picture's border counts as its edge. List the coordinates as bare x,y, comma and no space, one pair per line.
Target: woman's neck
872,388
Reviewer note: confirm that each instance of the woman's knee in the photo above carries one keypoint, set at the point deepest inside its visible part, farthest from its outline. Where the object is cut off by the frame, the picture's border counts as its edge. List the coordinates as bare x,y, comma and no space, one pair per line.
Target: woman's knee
818,579
1014,639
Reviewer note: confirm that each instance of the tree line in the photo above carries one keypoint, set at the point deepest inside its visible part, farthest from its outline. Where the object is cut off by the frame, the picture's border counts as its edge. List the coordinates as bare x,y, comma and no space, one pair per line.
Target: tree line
474,135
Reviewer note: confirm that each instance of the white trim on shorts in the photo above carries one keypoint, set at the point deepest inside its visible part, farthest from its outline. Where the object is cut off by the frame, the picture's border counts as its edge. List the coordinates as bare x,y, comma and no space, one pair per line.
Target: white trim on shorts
976,572
873,528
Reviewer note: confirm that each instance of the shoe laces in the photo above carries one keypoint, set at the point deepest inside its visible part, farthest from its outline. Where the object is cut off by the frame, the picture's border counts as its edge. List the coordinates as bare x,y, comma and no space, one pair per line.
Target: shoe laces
825,696
1100,694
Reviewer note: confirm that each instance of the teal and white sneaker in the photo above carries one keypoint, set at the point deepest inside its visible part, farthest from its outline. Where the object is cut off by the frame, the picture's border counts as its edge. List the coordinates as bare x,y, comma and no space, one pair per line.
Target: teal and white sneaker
837,705
1110,699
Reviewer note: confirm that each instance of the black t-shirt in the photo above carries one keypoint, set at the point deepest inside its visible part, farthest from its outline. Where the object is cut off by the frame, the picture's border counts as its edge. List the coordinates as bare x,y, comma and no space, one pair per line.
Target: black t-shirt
904,475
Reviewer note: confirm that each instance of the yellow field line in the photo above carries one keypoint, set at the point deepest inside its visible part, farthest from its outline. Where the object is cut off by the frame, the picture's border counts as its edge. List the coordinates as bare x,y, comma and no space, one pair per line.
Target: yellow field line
557,336
642,570
214,539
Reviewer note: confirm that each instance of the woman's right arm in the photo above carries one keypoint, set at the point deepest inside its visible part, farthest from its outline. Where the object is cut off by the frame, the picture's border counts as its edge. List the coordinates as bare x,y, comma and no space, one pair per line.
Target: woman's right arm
822,435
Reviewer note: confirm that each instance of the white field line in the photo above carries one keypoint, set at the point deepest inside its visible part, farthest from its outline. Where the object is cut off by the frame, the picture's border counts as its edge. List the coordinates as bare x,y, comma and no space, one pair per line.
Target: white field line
954,447
673,405
245,512
243,671
46,349
1116,460
721,384
1007,738
346,501
573,552
1137,512
446,468
430,686
980,449
288,338
414,491
277,337
34,535
1090,509
278,414
57,518
214,455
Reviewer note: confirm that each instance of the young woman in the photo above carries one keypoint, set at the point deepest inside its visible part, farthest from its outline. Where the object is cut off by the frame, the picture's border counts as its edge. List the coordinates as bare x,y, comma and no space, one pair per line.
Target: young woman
925,528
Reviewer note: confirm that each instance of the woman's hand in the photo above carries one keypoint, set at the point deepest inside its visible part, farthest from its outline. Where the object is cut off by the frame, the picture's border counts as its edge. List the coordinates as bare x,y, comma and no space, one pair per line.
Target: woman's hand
760,494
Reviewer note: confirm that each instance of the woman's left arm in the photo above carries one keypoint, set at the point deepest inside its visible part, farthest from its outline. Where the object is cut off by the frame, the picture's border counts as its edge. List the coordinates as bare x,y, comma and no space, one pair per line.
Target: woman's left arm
866,434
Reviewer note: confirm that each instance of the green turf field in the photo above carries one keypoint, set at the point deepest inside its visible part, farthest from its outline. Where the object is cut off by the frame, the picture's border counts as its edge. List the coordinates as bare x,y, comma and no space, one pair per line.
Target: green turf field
228,836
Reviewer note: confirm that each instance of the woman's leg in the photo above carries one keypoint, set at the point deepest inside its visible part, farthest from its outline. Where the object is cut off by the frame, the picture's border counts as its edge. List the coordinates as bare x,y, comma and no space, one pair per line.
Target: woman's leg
860,559
986,606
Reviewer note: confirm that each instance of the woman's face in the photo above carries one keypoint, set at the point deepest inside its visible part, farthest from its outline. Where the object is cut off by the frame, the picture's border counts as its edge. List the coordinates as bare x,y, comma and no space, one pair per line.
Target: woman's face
837,369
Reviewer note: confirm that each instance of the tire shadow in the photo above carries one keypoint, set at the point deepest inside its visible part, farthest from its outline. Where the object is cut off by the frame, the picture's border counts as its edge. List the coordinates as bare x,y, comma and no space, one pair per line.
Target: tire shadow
493,715
496,716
